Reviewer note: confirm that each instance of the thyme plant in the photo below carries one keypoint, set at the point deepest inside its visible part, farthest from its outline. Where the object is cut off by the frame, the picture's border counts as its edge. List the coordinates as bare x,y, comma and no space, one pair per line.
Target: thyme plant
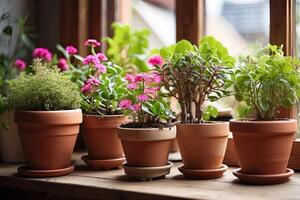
194,74
267,81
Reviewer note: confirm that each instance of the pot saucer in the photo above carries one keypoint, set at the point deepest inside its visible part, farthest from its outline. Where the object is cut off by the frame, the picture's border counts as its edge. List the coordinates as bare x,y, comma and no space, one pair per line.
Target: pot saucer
203,174
106,164
27,172
258,179
147,173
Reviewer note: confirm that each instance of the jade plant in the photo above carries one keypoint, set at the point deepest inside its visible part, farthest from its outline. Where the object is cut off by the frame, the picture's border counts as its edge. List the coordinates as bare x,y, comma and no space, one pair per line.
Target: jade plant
193,74
144,103
267,81
101,81
127,48
43,90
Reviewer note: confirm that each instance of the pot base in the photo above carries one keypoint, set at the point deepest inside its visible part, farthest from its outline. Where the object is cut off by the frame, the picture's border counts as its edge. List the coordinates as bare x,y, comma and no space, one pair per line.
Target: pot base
106,164
203,174
27,172
259,179
147,173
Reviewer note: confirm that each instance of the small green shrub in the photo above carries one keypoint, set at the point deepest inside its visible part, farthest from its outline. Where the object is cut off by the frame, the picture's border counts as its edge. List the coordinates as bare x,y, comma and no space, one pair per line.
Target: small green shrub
267,81
45,89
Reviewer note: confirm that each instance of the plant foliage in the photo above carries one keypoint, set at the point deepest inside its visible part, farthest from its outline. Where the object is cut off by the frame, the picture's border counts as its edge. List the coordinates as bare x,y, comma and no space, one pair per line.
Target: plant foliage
127,48
194,74
46,89
267,81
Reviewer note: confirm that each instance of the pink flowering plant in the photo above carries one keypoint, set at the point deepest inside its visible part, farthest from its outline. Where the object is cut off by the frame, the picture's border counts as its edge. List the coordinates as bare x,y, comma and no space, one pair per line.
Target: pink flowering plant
101,82
144,103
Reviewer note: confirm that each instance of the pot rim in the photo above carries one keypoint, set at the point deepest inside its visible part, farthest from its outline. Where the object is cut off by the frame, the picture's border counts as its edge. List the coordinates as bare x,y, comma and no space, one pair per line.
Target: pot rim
103,116
276,121
213,123
49,111
146,129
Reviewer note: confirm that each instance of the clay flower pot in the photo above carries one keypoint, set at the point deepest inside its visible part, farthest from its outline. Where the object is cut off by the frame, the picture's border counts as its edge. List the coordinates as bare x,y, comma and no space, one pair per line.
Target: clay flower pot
146,151
146,147
263,147
48,137
102,142
202,147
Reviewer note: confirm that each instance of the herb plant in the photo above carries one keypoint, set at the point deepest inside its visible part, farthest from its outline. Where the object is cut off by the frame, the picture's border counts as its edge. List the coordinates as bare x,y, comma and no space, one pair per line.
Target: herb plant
44,90
267,81
194,74
101,82
144,104
127,48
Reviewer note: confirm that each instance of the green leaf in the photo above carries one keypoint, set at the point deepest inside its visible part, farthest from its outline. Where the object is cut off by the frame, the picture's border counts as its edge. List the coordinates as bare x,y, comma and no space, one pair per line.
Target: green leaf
183,47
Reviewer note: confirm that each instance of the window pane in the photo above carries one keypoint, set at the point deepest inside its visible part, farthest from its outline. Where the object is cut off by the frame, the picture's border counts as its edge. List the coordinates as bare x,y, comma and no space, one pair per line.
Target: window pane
240,25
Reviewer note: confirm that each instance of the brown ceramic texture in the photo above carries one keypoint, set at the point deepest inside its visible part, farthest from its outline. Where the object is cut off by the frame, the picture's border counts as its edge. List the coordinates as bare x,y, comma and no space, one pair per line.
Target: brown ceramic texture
174,146
202,146
101,136
263,179
103,164
263,147
203,174
147,173
48,137
146,147
25,171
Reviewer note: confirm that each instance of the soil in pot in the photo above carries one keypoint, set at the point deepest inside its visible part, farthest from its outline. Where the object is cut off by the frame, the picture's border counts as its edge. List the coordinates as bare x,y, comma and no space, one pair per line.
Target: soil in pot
48,137
202,146
102,142
263,147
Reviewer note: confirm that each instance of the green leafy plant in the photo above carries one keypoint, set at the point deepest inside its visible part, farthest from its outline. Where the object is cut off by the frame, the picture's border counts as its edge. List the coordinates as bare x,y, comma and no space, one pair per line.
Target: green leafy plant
194,74
127,48
101,82
267,81
45,89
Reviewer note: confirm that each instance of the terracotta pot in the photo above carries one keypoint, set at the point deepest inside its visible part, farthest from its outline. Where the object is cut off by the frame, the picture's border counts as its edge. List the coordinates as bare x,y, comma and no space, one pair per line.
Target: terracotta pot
101,136
10,144
174,146
48,137
263,147
146,147
202,146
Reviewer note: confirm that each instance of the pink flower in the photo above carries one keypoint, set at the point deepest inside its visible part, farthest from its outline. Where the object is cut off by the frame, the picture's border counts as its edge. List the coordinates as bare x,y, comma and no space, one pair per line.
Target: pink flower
91,59
155,60
132,86
93,81
101,68
129,77
126,103
62,64
86,88
135,107
20,64
142,97
155,77
71,50
42,53
92,43
102,56
152,90
140,77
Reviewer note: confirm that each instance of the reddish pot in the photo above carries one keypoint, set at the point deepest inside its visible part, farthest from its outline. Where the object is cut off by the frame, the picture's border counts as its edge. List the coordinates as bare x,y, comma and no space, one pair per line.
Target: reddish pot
101,137
263,147
146,147
202,146
48,137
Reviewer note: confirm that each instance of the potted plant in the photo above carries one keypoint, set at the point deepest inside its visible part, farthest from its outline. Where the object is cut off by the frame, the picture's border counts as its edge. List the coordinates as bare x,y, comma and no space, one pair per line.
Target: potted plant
46,111
192,75
263,143
102,86
146,140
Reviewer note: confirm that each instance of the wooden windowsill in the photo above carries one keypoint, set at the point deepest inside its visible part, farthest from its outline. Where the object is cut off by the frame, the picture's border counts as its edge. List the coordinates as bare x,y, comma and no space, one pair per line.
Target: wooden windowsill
114,184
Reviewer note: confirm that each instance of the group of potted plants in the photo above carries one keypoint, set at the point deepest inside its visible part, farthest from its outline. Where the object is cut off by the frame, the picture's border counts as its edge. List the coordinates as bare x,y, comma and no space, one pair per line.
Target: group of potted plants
127,116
